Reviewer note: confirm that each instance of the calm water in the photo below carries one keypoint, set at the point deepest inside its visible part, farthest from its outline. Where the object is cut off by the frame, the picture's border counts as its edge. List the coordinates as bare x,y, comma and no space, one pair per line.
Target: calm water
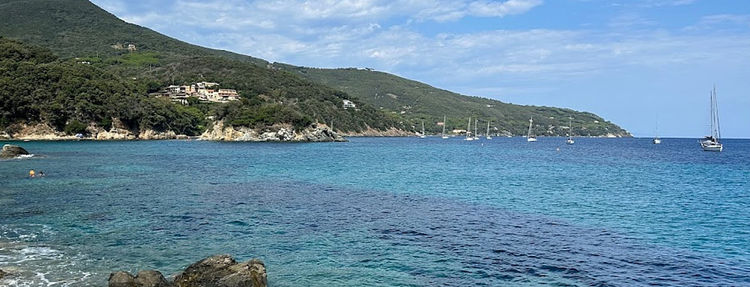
384,212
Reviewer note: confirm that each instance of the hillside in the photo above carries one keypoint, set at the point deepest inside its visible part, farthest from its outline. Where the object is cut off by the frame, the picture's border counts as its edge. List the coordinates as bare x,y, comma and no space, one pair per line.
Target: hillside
79,29
417,101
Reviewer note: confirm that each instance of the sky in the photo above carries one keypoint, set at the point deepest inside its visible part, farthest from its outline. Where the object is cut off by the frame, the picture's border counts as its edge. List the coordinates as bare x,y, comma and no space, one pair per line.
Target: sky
646,65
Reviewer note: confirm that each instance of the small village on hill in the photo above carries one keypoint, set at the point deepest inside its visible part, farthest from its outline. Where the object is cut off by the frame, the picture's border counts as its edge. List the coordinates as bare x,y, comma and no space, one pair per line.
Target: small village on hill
201,90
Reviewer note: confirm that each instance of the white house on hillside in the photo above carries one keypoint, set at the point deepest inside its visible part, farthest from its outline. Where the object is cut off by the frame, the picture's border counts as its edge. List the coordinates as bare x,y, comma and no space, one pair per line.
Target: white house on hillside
349,104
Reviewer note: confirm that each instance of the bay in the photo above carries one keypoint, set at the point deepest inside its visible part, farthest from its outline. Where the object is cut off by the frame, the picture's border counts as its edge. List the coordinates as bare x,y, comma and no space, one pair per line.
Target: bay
383,211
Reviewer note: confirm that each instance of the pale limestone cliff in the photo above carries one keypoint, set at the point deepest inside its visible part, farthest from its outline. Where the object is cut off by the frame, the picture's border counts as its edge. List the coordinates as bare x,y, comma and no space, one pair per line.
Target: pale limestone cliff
275,133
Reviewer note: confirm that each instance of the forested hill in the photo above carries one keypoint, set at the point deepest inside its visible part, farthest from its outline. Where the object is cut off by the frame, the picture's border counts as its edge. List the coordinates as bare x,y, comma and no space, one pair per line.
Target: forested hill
78,29
417,101
88,38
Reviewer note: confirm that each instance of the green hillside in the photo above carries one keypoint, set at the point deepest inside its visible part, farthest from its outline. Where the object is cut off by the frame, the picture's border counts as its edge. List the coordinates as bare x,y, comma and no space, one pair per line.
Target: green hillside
78,28
82,32
272,93
417,101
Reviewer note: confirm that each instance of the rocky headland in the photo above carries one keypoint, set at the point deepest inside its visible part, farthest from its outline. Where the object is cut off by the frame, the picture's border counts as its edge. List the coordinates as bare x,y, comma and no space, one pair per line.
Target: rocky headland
276,133
214,271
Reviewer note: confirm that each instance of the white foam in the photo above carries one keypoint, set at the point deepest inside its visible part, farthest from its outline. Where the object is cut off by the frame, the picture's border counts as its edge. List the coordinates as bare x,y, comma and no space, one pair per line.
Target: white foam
25,155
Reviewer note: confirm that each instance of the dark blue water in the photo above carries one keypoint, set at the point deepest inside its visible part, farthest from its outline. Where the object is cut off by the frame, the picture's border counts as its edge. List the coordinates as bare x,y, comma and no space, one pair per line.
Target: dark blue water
384,211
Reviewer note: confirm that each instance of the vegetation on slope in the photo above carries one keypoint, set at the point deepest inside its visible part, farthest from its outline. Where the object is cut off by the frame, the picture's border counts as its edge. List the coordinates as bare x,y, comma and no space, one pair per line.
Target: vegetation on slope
83,33
418,102
77,29
39,87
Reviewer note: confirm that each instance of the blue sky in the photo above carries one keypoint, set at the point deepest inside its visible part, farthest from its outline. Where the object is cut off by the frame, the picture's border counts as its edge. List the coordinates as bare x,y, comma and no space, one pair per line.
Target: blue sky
633,62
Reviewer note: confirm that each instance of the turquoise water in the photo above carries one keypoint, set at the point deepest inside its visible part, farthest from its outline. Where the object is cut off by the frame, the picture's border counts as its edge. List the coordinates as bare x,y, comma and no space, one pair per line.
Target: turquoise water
383,211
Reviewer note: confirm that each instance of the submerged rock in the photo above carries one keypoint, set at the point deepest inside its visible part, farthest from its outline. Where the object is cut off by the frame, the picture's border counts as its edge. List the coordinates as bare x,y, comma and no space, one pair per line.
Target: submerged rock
214,271
2,274
10,151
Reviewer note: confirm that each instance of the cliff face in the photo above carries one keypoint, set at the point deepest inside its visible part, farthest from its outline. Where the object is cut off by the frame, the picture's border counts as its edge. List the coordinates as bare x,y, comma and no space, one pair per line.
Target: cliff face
275,133
118,131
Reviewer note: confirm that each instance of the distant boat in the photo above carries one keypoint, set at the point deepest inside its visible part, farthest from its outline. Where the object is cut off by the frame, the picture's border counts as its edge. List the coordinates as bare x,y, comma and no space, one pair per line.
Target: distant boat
468,132
422,135
444,136
570,132
476,123
711,143
529,136
656,139
488,131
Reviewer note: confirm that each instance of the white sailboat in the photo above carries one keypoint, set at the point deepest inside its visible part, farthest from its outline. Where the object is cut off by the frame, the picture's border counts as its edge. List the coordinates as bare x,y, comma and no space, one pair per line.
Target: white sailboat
468,132
487,136
711,143
476,123
444,136
529,136
422,135
570,132
656,139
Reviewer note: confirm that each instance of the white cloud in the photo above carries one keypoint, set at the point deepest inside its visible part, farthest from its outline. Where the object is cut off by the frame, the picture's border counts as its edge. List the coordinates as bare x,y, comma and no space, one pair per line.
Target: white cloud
500,9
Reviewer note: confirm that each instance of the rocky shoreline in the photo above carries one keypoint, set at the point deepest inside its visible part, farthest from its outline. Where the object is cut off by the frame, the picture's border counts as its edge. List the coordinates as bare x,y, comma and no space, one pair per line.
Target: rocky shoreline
217,132
213,271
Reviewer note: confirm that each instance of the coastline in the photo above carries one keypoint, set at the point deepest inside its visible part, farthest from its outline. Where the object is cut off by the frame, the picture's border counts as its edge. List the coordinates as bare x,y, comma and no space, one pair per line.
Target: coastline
218,131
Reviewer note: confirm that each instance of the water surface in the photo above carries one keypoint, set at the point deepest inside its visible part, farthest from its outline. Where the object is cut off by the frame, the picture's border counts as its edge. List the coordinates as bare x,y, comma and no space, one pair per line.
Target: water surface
384,211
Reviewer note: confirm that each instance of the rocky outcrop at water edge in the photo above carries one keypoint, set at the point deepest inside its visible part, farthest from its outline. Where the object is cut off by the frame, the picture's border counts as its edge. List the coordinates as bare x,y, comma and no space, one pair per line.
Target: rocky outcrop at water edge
276,133
214,271
11,151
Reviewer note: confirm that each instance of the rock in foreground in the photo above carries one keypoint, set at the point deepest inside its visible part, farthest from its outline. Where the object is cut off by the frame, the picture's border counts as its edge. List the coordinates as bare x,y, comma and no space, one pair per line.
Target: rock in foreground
11,151
2,274
214,271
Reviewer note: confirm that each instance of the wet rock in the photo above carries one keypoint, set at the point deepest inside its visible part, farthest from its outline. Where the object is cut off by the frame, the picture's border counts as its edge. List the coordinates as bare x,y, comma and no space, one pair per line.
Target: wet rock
151,278
223,271
10,151
3,274
121,279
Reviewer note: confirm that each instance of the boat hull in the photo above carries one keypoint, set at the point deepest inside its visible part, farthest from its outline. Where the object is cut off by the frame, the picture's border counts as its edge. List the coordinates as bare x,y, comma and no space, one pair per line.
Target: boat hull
712,146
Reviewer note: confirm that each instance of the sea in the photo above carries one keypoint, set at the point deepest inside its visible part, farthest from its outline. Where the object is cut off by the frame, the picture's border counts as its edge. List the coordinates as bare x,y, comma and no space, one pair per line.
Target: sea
383,211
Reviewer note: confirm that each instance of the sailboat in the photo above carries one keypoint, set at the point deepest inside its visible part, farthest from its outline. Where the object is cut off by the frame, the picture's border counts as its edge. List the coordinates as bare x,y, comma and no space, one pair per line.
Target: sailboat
656,139
529,136
444,136
570,132
422,135
488,131
468,132
476,123
711,143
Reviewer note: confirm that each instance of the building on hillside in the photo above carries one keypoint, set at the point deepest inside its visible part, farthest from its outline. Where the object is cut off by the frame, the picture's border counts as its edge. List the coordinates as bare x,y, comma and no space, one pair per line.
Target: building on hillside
200,90
349,104
226,95
206,84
